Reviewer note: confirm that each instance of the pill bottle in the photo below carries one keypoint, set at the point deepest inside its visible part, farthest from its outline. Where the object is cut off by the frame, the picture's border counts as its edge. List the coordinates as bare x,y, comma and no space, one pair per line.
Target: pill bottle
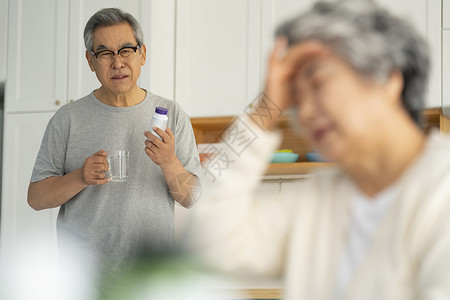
159,119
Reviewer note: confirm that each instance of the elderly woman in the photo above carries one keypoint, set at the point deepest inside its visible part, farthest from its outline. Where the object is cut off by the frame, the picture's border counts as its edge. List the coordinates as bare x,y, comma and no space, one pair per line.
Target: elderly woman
376,226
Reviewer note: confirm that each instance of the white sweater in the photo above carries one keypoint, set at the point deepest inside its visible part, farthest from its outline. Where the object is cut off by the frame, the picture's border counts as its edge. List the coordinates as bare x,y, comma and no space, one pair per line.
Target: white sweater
303,234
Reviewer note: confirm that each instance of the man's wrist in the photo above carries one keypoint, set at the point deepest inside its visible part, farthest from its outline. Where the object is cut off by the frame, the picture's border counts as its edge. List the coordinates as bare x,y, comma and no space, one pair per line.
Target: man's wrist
172,168
79,178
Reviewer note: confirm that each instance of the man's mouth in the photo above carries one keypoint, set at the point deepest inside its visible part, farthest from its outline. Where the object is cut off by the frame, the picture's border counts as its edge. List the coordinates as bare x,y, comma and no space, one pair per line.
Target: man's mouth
119,76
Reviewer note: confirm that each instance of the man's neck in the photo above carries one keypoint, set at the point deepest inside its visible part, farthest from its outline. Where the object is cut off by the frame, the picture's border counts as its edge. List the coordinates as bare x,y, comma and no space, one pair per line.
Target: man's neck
131,98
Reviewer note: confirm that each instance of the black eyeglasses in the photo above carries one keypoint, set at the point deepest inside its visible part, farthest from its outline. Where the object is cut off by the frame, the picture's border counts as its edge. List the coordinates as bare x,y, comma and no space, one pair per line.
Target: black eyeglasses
127,54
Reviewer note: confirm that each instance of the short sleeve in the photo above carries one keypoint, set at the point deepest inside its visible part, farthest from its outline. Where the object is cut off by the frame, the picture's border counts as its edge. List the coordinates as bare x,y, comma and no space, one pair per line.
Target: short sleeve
51,156
185,145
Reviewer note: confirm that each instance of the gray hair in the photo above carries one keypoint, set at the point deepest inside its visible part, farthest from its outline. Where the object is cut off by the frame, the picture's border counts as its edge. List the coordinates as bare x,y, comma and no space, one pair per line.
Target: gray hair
110,17
371,41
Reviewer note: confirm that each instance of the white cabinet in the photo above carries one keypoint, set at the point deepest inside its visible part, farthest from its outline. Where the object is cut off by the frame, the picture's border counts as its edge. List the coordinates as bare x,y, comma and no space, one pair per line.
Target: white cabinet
46,54
161,49
37,55
218,56
446,13
221,52
23,229
446,58
222,49
3,36
446,72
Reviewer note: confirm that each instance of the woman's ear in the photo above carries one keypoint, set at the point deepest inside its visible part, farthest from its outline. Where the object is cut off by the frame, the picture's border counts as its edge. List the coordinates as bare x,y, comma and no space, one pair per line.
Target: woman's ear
394,86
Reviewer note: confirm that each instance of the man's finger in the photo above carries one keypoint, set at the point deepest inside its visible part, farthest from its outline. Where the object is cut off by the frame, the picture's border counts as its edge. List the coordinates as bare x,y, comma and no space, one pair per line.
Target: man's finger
170,133
100,168
153,138
150,153
98,160
161,133
101,153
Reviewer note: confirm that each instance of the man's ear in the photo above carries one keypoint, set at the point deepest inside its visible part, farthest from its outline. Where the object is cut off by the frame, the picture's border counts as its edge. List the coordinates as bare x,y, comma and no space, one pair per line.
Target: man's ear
143,54
89,60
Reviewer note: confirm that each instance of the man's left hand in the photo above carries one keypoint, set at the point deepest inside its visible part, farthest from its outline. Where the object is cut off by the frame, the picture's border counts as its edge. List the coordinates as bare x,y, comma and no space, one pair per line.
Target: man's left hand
160,152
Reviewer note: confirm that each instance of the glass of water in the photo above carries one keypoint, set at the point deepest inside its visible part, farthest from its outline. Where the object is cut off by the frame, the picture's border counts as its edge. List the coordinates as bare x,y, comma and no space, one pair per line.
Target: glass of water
118,165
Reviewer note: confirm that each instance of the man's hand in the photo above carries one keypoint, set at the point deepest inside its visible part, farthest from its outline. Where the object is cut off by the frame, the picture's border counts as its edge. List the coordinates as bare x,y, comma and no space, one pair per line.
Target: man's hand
94,168
182,184
162,152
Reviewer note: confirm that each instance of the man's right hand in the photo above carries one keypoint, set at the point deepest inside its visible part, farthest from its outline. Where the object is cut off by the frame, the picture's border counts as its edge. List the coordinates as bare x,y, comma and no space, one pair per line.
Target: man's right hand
94,168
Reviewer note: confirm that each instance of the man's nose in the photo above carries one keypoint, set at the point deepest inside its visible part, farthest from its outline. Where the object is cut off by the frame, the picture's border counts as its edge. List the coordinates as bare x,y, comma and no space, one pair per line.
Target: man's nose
117,61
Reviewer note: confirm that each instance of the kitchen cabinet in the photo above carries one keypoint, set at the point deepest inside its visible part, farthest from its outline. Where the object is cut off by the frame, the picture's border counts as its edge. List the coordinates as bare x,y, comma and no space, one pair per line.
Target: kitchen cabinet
217,55
3,37
221,52
46,54
446,14
222,49
37,55
23,229
446,58
446,71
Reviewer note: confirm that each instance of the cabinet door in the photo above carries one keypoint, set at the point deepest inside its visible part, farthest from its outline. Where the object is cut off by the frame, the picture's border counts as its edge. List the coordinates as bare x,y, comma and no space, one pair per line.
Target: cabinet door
217,56
161,48
446,14
81,80
446,73
3,35
23,230
37,55
274,13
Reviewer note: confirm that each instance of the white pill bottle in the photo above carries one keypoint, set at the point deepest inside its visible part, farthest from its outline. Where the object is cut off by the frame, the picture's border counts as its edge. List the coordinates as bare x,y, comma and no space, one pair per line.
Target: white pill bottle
159,119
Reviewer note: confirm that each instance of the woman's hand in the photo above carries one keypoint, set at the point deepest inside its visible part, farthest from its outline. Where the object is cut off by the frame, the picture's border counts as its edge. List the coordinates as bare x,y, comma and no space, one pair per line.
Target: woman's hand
283,66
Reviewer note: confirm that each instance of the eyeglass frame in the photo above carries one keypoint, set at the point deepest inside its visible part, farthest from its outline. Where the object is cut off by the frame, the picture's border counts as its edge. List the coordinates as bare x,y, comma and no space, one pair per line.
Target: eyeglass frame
114,53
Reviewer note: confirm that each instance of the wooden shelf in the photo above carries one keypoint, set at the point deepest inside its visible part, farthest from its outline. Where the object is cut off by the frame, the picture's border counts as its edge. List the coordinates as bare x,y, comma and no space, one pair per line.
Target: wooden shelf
295,168
209,129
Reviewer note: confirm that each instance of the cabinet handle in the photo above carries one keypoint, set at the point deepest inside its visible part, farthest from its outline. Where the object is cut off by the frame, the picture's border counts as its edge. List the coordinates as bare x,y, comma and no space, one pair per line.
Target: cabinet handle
57,102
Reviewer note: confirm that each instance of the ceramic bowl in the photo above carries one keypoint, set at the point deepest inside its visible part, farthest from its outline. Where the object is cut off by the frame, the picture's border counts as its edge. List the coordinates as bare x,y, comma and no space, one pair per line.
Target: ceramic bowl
314,157
284,157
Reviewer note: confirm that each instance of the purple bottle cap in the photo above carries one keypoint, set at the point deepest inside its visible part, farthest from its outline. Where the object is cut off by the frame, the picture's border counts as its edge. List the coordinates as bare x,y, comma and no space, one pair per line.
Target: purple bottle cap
161,110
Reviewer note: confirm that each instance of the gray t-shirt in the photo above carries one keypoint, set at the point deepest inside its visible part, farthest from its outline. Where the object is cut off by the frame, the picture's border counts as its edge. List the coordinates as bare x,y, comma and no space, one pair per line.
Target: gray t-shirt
117,218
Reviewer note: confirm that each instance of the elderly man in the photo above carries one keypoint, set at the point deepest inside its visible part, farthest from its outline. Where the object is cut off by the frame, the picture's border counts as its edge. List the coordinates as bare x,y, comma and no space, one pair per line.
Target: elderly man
114,220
